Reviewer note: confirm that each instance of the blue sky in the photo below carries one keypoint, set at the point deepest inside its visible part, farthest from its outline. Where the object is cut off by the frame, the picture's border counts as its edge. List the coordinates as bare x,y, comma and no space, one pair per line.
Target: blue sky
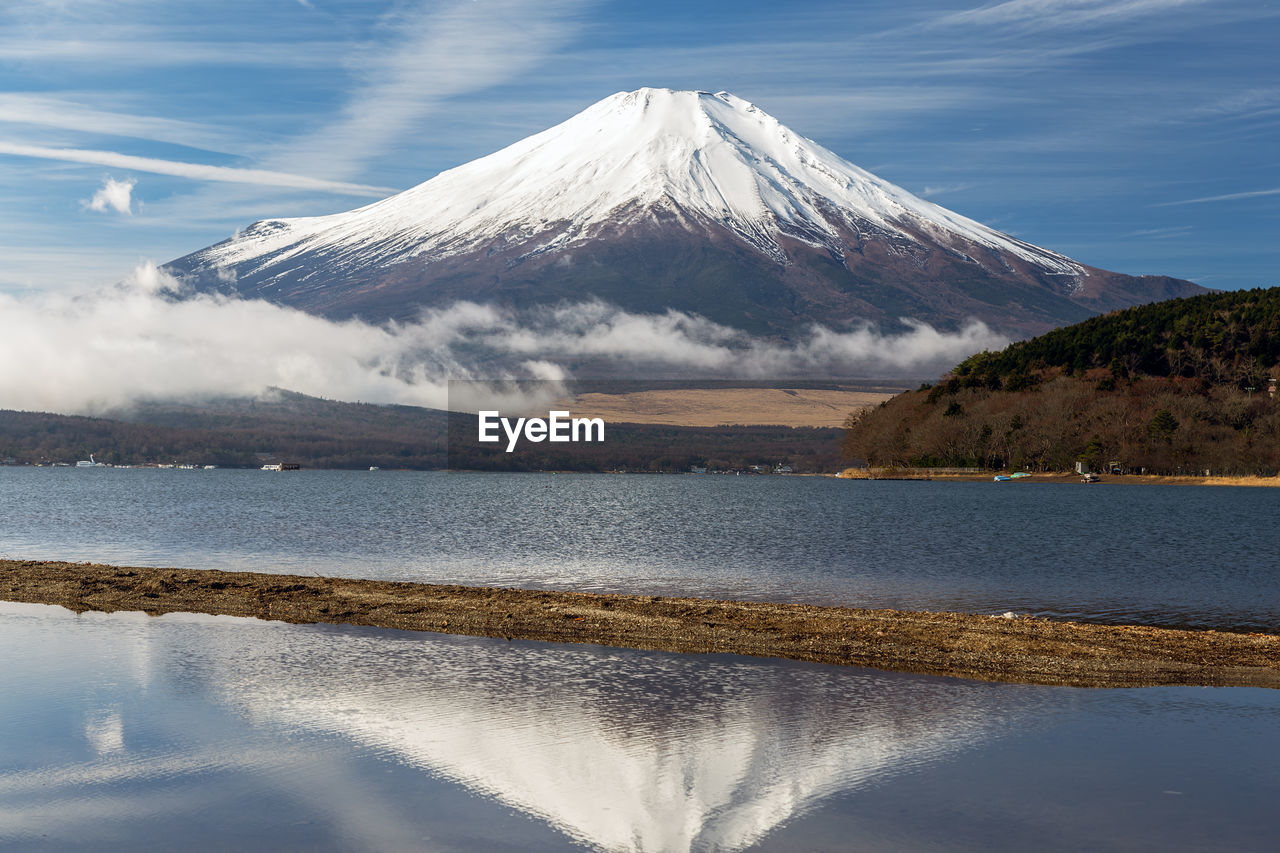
1141,136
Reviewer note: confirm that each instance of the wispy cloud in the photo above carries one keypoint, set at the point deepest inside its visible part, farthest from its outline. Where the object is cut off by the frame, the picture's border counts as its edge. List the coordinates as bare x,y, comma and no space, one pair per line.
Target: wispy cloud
1054,14
113,195
1227,197
142,51
943,189
436,53
195,171
64,113
1247,104
1162,233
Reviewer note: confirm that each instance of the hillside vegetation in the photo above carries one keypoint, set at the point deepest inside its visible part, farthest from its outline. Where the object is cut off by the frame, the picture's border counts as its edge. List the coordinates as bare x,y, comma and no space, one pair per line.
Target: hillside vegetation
1183,386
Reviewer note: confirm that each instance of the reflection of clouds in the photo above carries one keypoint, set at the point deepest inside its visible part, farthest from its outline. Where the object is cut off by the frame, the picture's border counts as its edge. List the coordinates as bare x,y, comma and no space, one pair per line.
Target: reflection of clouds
106,801
184,757
114,770
105,731
621,751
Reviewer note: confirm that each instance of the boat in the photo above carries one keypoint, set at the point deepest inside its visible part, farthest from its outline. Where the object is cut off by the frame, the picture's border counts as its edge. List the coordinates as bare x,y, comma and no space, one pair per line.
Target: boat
1090,478
1000,478
374,468
276,467
90,463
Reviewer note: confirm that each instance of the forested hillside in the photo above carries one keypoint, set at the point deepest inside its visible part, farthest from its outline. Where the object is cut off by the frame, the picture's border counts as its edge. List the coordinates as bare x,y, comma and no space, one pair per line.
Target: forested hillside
1174,387
234,433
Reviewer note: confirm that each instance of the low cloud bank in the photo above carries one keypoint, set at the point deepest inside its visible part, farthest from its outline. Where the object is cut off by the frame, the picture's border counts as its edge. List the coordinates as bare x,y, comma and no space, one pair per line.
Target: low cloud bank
140,341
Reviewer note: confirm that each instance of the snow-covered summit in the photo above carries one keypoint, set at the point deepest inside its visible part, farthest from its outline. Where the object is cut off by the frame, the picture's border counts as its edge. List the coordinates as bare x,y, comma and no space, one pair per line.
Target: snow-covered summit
695,157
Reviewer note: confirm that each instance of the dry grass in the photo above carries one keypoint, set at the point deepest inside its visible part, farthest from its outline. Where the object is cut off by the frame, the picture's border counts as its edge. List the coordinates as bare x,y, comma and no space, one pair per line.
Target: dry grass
709,407
1210,481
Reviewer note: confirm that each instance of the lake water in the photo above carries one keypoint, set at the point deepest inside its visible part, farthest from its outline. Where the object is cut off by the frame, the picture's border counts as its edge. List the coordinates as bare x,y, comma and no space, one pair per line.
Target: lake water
1161,555
126,732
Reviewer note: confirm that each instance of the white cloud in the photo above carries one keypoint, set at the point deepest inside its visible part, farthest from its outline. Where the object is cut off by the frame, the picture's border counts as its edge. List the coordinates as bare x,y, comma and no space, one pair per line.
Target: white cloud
113,195
195,171
106,350
135,342
687,341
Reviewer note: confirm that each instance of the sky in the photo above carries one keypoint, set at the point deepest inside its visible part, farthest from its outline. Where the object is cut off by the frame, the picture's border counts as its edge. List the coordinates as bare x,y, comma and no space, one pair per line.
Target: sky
1141,136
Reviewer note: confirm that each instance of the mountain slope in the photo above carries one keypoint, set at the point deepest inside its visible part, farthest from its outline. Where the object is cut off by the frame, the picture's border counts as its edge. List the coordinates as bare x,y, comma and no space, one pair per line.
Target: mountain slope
655,199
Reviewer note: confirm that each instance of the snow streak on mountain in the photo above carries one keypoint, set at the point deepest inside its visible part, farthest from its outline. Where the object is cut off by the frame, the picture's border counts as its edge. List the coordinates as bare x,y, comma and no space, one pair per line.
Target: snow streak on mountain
659,199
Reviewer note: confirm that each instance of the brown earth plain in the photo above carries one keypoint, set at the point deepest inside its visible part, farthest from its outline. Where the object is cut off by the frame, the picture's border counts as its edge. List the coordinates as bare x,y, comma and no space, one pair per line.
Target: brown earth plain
710,407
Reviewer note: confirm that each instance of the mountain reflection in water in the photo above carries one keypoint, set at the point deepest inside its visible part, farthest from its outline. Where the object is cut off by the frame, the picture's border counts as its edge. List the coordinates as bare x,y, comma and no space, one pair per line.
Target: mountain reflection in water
623,751
619,750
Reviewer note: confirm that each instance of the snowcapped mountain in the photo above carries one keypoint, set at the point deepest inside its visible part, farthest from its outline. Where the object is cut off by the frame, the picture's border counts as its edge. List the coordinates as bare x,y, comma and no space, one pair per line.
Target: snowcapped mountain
659,199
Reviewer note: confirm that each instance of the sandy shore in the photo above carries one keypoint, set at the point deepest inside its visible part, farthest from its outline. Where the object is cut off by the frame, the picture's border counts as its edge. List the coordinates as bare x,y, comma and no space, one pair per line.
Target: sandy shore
993,648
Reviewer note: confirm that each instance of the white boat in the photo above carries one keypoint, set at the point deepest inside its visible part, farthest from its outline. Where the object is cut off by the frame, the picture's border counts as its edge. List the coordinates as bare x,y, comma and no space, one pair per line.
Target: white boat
276,467
374,468
90,463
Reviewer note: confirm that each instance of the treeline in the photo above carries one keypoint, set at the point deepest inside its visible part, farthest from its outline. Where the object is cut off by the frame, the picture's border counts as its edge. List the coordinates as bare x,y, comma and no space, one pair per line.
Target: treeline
1217,338
326,434
30,438
1175,387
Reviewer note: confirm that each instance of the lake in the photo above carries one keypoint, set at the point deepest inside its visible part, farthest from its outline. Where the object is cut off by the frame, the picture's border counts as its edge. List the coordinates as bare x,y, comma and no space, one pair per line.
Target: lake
1162,555
125,732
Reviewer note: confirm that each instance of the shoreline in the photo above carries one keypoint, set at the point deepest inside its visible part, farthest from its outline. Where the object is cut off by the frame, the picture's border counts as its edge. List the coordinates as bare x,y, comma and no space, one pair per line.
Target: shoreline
990,648
1059,477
